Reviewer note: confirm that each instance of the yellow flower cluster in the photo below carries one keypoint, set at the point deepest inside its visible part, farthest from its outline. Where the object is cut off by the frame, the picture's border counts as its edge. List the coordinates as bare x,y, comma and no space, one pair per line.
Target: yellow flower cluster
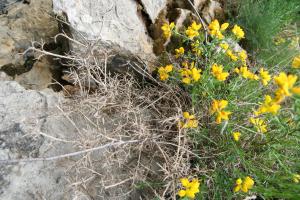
191,188
164,72
224,45
167,29
196,47
265,76
216,30
259,124
244,71
243,56
269,106
244,185
193,30
179,52
236,136
231,55
190,121
285,85
296,62
296,178
190,73
238,32
218,107
217,71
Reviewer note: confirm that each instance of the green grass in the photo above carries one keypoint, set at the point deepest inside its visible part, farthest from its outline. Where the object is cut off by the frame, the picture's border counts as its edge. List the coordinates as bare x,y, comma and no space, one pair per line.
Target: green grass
263,21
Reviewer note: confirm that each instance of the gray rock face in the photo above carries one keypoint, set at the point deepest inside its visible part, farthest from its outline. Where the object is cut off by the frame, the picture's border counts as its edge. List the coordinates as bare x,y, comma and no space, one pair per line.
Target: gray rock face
23,115
23,24
120,22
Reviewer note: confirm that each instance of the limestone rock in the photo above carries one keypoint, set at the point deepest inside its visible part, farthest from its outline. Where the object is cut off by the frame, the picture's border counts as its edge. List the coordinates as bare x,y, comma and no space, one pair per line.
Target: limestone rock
24,23
153,7
118,22
24,114
39,77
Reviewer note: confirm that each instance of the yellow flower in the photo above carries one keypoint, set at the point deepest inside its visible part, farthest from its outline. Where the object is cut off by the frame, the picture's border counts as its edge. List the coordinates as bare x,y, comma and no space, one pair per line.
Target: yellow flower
167,29
259,124
224,26
236,136
179,52
243,56
181,193
231,55
296,178
164,72
238,32
196,47
247,184
286,86
246,73
217,107
191,188
296,62
224,45
265,76
185,182
217,71
192,30
196,74
189,122
238,185
190,73
214,25
244,185
279,41
269,106
215,31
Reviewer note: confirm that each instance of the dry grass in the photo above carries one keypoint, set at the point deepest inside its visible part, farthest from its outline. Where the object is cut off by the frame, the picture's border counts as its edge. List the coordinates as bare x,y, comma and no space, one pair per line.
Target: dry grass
110,108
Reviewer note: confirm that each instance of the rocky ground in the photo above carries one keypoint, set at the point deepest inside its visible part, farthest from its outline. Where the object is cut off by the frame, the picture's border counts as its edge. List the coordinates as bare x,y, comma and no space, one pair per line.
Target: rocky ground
31,86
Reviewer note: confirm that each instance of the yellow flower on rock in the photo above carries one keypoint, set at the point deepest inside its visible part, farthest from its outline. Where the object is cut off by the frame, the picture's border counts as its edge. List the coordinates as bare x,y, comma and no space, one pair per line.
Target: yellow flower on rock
285,85
269,106
265,76
190,121
296,62
164,72
244,185
296,178
217,107
238,32
167,29
259,124
179,52
217,71
236,136
191,188
192,30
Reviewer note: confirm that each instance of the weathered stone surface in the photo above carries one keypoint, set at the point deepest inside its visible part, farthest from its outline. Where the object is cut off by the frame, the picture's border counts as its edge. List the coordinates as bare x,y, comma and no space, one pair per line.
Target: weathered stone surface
153,7
23,24
23,115
117,21
39,77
